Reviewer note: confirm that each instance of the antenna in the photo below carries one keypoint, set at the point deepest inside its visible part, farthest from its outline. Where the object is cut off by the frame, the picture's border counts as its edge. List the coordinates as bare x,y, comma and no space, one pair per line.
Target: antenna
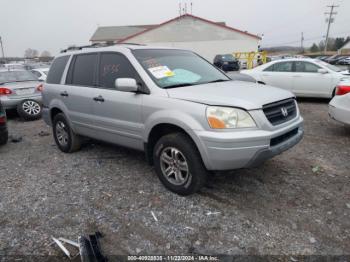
191,7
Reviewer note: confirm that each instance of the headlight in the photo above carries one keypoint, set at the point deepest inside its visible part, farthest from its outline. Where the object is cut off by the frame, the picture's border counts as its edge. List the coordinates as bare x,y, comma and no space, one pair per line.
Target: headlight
228,117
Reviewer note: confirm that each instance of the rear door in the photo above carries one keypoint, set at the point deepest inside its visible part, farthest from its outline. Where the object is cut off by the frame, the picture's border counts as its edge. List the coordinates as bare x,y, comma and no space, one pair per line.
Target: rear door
117,114
308,82
79,91
279,74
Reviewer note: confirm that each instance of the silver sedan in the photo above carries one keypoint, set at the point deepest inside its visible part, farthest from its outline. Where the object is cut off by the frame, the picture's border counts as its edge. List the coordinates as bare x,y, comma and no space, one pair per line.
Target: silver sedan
21,90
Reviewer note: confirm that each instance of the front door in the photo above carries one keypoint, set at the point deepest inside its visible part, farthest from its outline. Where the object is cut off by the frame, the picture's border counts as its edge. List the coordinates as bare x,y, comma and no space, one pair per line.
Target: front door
117,115
279,75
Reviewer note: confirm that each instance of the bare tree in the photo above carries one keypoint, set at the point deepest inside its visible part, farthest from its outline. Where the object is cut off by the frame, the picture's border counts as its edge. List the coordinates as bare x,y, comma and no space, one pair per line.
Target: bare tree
31,53
45,54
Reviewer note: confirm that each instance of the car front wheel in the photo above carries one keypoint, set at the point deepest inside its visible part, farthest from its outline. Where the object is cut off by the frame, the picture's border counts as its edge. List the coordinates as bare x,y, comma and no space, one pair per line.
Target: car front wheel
178,164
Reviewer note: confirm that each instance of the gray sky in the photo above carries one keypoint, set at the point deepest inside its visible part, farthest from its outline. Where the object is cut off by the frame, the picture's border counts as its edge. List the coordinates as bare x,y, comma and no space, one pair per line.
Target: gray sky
54,24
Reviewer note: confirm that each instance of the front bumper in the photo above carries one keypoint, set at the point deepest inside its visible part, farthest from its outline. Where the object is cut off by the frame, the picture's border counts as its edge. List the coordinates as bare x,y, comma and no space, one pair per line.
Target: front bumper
11,103
248,148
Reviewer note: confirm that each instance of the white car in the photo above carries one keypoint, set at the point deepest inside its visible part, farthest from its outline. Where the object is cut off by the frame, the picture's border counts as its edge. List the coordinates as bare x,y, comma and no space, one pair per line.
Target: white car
41,73
303,76
339,107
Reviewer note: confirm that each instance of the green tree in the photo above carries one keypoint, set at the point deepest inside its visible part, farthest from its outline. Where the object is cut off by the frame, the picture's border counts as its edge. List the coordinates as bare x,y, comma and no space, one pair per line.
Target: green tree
314,48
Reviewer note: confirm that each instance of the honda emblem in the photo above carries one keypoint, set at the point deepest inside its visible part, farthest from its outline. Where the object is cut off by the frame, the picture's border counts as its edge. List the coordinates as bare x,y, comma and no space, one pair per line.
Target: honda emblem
284,111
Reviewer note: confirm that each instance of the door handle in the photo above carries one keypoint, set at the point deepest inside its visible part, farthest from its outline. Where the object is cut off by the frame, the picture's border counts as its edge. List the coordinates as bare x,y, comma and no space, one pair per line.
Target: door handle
99,99
64,93
297,76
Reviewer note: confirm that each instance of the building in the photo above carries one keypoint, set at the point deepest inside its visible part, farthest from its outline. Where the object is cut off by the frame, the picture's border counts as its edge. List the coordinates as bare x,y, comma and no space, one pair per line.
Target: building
205,37
345,50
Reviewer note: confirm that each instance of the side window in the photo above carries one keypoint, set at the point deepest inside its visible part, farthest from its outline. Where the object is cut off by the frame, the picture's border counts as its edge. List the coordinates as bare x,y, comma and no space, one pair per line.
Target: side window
56,70
306,67
83,71
113,66
270,68
36,73
283,67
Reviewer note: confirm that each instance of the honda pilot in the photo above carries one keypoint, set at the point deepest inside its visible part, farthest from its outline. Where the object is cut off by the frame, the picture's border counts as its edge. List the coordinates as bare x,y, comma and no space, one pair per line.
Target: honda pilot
186,115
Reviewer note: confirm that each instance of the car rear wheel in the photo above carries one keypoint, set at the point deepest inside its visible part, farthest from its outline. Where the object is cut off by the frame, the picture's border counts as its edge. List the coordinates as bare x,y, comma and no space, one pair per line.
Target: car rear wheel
66,140
178,164
29,110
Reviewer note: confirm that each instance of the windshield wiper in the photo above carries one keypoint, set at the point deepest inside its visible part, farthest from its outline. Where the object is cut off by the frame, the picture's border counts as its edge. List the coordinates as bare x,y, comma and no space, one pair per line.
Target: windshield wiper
179,85
217,81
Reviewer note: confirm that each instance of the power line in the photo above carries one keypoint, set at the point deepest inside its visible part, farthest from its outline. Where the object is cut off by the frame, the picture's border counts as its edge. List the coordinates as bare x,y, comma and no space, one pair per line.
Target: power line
330,21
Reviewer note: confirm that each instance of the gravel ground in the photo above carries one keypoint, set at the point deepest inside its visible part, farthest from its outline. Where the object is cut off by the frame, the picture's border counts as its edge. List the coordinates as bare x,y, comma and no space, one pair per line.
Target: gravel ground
297,203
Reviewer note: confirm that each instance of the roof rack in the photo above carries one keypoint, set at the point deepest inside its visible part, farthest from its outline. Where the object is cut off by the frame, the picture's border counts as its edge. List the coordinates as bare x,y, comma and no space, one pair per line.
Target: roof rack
96,45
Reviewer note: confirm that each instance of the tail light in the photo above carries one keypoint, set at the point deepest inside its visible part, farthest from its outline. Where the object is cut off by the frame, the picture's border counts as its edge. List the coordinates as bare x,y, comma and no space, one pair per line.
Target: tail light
40,88
5,91
342,90
2,119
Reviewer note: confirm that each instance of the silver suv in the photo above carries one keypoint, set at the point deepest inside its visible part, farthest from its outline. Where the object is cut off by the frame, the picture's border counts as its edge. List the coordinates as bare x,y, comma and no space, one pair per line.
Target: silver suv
185,114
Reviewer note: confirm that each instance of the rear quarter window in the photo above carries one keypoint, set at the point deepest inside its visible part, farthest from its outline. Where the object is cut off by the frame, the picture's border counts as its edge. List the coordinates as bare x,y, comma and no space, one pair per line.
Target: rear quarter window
56,70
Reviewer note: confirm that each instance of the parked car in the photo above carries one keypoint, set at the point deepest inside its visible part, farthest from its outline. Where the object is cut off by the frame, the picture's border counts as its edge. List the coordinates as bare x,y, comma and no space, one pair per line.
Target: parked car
3,126
334,59
304,77
226,62
344,61
21,90
184,113
41,73
339,107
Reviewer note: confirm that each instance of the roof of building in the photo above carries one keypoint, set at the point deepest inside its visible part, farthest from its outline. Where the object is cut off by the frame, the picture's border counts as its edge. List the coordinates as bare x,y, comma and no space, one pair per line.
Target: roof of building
123,33
112,33
346,46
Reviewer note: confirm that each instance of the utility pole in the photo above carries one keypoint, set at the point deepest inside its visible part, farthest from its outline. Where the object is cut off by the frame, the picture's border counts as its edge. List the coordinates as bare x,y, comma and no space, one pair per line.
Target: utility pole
2,50
330,20
302,42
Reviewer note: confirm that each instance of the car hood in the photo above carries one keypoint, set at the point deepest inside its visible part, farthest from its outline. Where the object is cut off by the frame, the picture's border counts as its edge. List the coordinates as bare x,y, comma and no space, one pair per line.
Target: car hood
231,93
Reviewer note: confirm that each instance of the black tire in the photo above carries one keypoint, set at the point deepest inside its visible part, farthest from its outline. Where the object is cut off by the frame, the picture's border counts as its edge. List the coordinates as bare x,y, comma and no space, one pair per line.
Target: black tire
196,171
3,138
29,110
71,142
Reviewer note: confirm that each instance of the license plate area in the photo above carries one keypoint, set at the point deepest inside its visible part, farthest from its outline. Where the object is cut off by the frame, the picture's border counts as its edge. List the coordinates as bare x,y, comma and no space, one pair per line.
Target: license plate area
25,91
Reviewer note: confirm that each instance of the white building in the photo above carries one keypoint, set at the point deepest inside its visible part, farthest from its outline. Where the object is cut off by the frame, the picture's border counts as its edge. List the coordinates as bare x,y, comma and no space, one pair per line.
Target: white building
205,37
345,49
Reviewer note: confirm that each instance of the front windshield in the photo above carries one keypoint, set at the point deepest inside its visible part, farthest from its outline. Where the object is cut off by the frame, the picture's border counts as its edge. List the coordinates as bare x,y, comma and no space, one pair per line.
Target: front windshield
228,58
329,66
175,68
16,76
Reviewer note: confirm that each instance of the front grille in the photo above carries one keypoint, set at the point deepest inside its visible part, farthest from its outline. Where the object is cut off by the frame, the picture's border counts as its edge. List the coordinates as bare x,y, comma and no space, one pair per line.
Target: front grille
280,112
277,140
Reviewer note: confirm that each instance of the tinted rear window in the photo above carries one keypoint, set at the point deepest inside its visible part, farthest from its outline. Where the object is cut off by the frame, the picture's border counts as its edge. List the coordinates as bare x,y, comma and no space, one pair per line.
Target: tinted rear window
56,70
83,71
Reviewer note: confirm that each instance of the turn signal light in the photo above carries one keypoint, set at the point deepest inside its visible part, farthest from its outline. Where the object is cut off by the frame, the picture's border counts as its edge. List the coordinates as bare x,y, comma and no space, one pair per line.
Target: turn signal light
216,123
342,90
5,91
40,88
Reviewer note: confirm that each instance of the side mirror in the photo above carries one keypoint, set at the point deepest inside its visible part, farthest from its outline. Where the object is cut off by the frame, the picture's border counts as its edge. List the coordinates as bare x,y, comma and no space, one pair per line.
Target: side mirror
126,85
322,71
